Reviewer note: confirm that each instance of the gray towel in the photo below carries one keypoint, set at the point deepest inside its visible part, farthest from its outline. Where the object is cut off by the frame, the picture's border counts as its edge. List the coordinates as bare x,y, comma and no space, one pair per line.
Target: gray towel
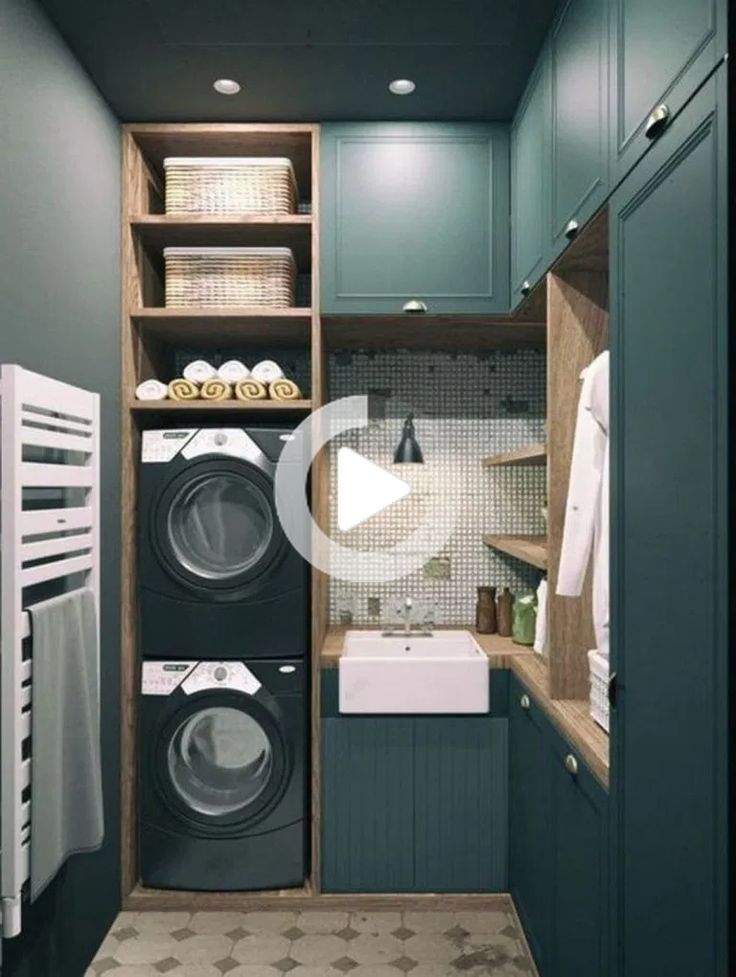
66,784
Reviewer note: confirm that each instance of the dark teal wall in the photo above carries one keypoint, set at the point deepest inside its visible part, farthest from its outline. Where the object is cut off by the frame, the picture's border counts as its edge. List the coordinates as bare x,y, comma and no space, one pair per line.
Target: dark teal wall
59,299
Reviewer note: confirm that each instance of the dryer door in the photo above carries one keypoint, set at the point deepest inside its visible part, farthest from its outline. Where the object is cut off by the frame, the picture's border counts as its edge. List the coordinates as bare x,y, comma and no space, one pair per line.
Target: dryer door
215,527
222,761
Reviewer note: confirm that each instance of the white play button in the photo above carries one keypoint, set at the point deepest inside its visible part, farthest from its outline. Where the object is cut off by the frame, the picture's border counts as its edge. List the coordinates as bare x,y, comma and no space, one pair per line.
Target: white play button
364,489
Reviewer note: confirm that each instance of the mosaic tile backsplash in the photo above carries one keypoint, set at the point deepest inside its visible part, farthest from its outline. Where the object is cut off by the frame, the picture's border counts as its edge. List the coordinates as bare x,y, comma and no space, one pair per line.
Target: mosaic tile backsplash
466,407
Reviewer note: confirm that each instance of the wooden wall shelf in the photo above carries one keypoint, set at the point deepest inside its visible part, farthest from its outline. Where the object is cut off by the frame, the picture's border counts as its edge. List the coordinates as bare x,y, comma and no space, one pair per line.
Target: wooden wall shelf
529,549
225,327
534,454
157,231
223,406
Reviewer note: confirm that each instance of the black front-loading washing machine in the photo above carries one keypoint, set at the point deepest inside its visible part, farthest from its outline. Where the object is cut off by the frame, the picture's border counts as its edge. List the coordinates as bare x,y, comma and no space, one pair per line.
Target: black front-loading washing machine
223,774
217,576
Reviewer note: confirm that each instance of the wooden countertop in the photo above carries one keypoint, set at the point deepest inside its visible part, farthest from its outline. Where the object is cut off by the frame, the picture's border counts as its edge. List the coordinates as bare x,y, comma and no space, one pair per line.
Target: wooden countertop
571,716
499,650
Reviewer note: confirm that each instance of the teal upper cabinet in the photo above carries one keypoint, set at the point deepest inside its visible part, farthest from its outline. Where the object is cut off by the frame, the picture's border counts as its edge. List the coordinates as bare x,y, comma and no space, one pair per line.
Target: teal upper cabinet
578,53
414,211
662,50
530,183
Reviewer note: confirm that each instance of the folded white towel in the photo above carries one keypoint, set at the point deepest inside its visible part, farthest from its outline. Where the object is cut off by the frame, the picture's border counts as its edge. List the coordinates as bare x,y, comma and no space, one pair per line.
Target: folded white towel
232,371
267,371
151,390
199,370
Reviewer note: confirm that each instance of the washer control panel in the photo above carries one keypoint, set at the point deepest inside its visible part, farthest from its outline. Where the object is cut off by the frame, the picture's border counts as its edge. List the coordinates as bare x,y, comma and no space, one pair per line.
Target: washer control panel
158,447
232,441
162,678
221,675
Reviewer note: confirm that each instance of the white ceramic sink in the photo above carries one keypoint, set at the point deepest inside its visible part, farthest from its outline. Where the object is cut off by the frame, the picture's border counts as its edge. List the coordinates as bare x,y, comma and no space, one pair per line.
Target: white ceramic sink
446,672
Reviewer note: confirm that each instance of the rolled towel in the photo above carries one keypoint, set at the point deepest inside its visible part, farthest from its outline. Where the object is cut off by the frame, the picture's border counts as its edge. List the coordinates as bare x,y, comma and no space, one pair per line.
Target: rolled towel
251,389
216,389
199,370
183,389
267,371
232,371
151,390
284,389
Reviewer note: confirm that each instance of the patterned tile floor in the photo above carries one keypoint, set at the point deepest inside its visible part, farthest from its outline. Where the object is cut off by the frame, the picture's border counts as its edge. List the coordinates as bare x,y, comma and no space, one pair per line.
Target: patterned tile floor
313,944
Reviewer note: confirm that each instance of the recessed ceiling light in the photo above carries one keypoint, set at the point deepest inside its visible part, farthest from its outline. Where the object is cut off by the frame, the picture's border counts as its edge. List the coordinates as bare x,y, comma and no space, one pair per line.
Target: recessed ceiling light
226,86
401,86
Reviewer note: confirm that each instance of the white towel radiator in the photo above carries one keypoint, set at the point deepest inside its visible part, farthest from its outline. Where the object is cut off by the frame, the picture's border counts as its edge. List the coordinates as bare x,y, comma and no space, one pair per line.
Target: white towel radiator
49,537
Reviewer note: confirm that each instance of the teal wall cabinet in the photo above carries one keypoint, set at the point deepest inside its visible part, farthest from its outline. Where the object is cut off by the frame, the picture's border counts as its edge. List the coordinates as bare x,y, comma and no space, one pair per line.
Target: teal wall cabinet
578,55
661,51
414,211
668,308
530,166
558,846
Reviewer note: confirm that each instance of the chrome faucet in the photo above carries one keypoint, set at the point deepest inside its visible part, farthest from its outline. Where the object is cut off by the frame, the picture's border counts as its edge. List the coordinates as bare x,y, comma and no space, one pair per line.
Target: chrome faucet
425,631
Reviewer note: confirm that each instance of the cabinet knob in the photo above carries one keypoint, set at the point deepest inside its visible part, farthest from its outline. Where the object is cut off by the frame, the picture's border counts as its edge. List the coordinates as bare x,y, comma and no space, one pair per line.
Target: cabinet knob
571,229
525,287
525,702
571,764
414,306
657,121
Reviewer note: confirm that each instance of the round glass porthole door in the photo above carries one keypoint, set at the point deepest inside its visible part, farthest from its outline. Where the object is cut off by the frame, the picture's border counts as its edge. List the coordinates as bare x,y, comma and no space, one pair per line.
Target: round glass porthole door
220,762
219,526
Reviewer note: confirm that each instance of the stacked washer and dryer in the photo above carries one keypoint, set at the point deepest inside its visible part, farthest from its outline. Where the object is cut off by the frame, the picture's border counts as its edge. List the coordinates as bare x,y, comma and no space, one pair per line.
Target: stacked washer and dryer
224,637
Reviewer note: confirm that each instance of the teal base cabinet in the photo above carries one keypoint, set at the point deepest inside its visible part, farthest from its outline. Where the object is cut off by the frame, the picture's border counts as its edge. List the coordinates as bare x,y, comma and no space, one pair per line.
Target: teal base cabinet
662,50
558,846
414,212
414,805
669,510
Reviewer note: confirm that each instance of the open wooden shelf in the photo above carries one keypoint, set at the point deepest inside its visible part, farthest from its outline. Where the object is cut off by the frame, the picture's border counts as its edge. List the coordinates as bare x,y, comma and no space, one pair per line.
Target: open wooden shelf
157,231
196,406
529,549
226,326
533,454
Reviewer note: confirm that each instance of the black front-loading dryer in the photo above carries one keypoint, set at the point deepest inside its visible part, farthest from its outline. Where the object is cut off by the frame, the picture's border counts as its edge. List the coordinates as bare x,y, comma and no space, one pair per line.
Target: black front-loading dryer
217,576
223,774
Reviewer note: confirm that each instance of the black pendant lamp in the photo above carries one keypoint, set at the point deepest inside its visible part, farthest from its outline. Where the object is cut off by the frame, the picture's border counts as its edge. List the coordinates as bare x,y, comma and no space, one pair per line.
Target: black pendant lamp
408,451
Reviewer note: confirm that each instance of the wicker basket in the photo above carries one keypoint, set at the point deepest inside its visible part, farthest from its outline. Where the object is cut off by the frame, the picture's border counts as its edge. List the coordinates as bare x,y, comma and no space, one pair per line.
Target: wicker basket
217,277
230,186
599,709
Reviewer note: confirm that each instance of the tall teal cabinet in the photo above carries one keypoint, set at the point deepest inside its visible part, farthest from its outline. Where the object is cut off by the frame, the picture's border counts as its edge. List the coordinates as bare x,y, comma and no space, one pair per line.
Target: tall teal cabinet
668,306
414,212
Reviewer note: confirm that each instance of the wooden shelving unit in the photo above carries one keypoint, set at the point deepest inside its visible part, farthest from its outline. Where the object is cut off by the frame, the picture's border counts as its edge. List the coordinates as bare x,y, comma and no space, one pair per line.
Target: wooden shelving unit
534,454
151,336
529,549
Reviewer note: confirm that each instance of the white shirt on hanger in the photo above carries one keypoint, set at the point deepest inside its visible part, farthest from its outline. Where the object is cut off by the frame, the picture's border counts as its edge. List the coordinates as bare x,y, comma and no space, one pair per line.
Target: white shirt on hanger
587,512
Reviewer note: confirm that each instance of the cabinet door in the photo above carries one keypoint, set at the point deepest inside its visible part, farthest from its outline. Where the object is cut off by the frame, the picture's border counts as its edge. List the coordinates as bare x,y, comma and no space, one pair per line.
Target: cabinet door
581,911
461,804
367,805
661,51
669,281
530,823
414,211
579,129
530,184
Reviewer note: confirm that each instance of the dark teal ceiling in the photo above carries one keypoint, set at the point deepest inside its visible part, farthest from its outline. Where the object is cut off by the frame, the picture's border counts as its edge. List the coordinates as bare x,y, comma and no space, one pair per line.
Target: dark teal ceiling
157,59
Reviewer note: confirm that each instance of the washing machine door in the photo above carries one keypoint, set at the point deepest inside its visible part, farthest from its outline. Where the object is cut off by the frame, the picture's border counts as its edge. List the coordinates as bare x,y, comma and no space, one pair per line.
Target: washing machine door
215,527
222,762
